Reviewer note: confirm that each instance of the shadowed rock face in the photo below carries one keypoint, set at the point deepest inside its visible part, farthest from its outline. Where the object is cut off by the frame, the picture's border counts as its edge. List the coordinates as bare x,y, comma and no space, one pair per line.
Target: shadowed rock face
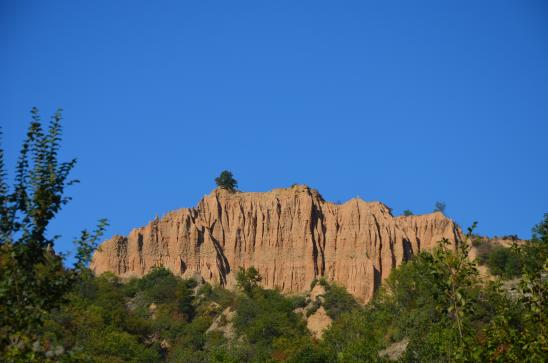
290,235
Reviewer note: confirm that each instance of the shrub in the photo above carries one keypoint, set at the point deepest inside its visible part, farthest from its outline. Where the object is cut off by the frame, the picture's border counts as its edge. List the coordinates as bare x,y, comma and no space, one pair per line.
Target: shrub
226,181
313,307
217,294
338,301
298,301
483,248
355,337
159,285
311,354
265,316
117,346
248,279
440,207
504,262
323,281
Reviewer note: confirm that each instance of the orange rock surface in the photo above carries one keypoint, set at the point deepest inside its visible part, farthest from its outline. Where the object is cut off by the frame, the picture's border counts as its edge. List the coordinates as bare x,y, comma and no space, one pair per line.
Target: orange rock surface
290,235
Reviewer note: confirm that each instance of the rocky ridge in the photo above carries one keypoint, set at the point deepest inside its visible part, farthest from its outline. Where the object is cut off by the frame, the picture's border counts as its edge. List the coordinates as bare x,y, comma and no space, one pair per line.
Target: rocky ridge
291,235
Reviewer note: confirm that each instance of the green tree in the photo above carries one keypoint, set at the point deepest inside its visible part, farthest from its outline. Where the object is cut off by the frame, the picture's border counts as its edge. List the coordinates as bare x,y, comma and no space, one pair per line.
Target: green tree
248,279
524,338
357,336
33,280
453,274
407,213
535,253
226,181
266,318
338,301
432,300
111,345
504,262
440,207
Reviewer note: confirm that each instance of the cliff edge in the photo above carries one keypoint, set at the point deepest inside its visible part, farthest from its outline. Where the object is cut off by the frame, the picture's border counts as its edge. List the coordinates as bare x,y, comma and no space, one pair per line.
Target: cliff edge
290,235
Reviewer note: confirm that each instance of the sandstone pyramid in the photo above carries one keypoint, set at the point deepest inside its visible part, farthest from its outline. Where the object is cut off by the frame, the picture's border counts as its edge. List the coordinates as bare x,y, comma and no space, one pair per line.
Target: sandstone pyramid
290,235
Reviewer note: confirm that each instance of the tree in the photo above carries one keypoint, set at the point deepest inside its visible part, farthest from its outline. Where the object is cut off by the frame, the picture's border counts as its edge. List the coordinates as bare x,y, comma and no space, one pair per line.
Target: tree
440,207
226,181
504,262
526,340
33,280
453,274
407,213
338,301
248,279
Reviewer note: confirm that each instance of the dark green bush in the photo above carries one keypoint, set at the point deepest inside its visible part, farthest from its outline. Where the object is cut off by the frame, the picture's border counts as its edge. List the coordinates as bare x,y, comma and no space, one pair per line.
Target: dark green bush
266,316
226,181
112,345
159,285
248,279
484,249
504,262
338,301
298,301
217,294
311,353
314,306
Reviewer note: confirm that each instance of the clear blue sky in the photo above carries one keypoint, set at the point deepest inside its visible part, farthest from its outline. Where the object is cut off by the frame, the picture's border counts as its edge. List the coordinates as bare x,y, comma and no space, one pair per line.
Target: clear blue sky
404,102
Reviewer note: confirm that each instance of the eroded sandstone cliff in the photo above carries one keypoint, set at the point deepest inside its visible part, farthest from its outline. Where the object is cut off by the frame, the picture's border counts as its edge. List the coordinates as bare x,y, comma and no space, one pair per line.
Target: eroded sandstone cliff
290,235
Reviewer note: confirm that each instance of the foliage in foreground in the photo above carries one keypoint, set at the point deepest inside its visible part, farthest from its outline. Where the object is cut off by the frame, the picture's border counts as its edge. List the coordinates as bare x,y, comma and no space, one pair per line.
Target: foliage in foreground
33,280
435,302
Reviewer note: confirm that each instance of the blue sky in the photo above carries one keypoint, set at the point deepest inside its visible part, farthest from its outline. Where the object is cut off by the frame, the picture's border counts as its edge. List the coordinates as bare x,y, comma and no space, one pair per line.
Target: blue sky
406,102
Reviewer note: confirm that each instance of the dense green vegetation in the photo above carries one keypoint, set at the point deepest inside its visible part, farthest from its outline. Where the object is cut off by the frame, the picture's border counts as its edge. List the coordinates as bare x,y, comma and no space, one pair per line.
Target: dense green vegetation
504,262
434,307
336,299
33,279
508,262
435,302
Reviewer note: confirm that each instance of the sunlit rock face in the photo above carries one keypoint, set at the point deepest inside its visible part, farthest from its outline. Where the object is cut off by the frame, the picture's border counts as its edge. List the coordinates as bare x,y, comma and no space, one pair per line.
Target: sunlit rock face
290,235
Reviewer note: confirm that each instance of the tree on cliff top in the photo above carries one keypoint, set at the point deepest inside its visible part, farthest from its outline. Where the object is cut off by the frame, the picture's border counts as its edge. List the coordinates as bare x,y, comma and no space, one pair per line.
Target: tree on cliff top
440,207
226,181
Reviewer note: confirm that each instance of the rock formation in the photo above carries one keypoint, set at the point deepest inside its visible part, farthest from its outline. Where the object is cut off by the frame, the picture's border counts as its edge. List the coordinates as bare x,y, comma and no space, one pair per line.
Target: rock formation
290,235
317,319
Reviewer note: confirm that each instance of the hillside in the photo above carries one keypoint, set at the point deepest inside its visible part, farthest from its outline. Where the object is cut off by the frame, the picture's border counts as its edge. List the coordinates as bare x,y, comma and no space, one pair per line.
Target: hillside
292,236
